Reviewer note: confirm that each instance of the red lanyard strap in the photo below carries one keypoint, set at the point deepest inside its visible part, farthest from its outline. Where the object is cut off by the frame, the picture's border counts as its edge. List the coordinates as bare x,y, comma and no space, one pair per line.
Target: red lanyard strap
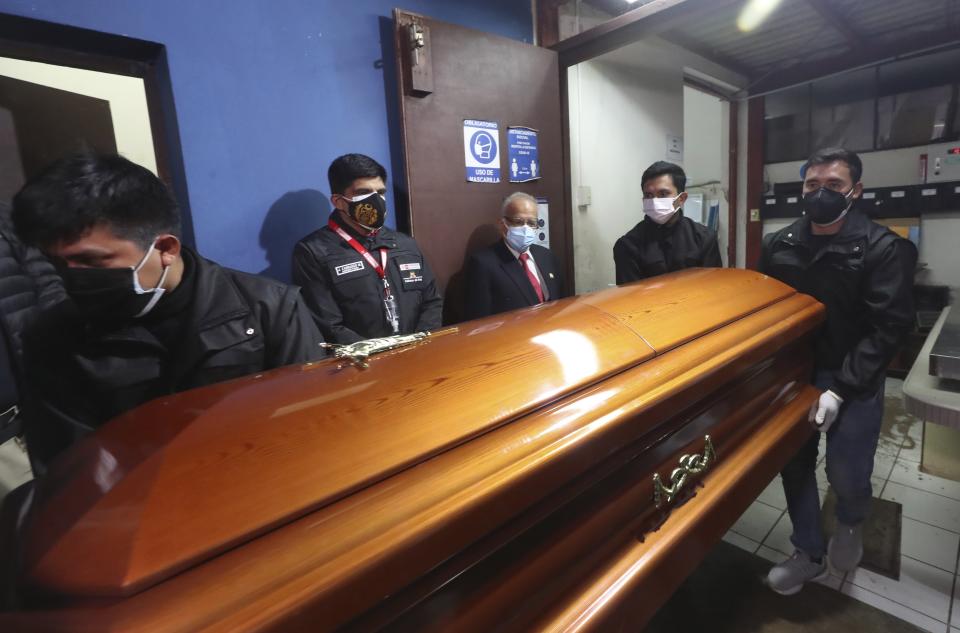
381,268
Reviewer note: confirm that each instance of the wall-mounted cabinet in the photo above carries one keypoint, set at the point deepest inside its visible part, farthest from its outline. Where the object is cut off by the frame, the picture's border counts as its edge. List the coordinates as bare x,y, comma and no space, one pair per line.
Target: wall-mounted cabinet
910,201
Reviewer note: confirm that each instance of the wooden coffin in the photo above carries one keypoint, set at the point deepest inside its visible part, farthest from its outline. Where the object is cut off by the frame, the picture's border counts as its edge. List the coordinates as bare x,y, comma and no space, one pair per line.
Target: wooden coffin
499,477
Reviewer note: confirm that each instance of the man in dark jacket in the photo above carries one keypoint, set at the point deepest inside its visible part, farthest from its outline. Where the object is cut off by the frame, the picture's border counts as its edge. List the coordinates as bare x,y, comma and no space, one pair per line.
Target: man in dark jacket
665,240
28,284
514,272
360,279
148,316
863,273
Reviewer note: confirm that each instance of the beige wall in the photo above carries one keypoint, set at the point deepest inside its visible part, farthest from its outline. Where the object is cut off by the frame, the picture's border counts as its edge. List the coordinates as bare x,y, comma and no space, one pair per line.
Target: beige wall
622,107
127,97
706,132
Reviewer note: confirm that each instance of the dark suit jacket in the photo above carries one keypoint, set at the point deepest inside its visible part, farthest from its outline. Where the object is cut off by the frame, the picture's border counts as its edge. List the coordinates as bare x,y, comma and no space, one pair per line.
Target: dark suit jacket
496,281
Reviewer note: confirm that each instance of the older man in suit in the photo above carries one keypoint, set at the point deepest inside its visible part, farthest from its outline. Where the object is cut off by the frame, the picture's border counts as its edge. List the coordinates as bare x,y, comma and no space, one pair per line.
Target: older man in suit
514,272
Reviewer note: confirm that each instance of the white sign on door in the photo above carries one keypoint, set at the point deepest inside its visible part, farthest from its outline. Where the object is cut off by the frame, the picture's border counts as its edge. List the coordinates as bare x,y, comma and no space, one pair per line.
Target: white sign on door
481,150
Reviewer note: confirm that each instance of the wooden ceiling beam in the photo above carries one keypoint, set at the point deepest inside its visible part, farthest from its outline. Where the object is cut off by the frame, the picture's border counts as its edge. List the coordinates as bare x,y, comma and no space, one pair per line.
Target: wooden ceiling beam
652,18
611,7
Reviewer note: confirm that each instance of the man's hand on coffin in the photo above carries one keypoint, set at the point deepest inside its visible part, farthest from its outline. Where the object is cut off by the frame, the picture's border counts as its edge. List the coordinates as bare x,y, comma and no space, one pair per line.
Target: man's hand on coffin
824,411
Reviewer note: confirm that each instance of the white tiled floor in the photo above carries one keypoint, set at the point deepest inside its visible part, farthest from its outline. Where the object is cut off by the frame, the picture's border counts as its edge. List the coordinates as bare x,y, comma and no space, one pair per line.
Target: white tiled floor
927,594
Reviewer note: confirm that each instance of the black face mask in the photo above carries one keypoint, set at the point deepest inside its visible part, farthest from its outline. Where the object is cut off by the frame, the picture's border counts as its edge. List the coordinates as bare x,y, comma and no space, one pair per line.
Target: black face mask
825,206
112,293
368,210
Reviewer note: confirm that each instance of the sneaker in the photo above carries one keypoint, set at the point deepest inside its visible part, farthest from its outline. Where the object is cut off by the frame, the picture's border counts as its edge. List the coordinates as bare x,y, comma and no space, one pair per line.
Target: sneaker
845,548
788,577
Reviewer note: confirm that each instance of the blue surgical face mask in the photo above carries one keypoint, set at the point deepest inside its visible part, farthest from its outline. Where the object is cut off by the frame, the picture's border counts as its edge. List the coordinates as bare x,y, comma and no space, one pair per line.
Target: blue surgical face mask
521,237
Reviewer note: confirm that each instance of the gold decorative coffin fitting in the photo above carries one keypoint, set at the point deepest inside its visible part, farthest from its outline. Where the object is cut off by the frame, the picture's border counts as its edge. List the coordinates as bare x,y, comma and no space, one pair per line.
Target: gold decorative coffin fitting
496,478
690,466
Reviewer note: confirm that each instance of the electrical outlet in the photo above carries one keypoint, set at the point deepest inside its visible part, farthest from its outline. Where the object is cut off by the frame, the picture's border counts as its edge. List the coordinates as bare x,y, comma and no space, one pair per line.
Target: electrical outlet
584,196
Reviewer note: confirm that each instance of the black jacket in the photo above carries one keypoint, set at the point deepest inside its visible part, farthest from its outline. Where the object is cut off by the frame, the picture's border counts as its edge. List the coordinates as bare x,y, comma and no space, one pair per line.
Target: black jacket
28,284
346,295
84,373
864,276
651,249
497,282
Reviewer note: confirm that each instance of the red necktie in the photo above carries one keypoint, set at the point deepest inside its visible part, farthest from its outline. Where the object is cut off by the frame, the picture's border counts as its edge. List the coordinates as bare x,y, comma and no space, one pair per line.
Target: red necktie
524,258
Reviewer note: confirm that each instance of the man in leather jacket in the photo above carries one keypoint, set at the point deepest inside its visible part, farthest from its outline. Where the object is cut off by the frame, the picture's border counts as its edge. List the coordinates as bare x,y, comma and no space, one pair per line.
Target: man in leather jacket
863,273
148,316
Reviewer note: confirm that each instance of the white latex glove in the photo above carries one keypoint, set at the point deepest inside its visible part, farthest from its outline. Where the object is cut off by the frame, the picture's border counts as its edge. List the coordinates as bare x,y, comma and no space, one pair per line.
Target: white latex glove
824,412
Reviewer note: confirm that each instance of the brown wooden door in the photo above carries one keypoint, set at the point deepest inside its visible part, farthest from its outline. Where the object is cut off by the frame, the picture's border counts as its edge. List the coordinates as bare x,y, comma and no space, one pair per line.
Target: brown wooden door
462,74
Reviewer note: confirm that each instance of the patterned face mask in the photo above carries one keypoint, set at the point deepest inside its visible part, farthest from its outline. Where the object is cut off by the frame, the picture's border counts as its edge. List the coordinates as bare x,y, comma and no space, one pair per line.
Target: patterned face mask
368,210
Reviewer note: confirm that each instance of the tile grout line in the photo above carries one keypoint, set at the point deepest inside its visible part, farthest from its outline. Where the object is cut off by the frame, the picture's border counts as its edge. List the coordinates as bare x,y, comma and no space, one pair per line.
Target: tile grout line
924,490
934,525
767,504
923,562
897,460
847,576
770,531
905,606
886,480
916,560
743,536
954,591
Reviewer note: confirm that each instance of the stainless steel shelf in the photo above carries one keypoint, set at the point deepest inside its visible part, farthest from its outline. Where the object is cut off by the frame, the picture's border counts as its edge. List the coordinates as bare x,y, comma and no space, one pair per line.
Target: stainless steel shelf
930,397
945,355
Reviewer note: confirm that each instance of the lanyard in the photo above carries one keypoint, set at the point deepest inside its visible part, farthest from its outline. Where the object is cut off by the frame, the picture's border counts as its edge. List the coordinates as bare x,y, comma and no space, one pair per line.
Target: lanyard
380,267
389,301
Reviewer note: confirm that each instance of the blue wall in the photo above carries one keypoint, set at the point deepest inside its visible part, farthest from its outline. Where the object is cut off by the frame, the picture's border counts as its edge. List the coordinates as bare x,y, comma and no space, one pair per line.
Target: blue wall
267,94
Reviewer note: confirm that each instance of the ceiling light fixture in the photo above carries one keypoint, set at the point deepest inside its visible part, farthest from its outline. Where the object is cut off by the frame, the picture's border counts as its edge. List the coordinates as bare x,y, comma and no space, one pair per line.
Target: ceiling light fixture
754,13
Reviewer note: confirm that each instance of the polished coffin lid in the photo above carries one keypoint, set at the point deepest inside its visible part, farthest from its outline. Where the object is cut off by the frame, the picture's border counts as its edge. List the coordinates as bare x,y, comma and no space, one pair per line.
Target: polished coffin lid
183,478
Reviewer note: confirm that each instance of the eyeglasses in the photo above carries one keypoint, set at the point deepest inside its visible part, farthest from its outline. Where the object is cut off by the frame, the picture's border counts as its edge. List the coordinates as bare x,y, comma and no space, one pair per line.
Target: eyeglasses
531,222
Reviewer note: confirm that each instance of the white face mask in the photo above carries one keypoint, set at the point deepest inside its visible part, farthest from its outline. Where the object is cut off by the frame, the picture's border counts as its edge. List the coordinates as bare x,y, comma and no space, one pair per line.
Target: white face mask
157,291
660,210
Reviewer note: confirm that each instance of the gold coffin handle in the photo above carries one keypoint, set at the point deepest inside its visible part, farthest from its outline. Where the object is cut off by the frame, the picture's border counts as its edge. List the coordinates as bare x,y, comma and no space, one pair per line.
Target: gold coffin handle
689,465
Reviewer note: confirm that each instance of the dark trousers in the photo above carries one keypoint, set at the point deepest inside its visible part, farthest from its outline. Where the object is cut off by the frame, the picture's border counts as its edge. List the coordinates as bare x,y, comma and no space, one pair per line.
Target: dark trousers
851,444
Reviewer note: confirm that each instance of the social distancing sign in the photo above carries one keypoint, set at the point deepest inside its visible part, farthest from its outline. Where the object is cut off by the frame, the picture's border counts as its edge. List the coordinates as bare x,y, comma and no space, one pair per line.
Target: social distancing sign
522,154
481,150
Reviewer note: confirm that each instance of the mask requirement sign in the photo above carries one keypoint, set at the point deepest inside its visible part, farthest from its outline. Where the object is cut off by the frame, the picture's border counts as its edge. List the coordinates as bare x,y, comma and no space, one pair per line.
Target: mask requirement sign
481,150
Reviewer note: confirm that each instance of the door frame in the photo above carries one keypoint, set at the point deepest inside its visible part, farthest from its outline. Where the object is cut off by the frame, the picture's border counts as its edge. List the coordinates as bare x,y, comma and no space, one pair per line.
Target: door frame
50,43
649,19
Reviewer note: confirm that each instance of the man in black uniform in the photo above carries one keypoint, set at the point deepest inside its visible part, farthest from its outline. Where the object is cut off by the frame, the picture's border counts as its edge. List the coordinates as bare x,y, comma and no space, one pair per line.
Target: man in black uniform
514,272
360,279
863,273
665,240
148,316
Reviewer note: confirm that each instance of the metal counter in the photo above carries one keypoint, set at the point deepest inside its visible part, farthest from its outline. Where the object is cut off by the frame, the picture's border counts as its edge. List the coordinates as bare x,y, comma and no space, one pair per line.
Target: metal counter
945,355
930,397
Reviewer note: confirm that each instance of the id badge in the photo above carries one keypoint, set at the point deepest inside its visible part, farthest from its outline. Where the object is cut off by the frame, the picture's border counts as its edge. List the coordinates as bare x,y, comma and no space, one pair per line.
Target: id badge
390,307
